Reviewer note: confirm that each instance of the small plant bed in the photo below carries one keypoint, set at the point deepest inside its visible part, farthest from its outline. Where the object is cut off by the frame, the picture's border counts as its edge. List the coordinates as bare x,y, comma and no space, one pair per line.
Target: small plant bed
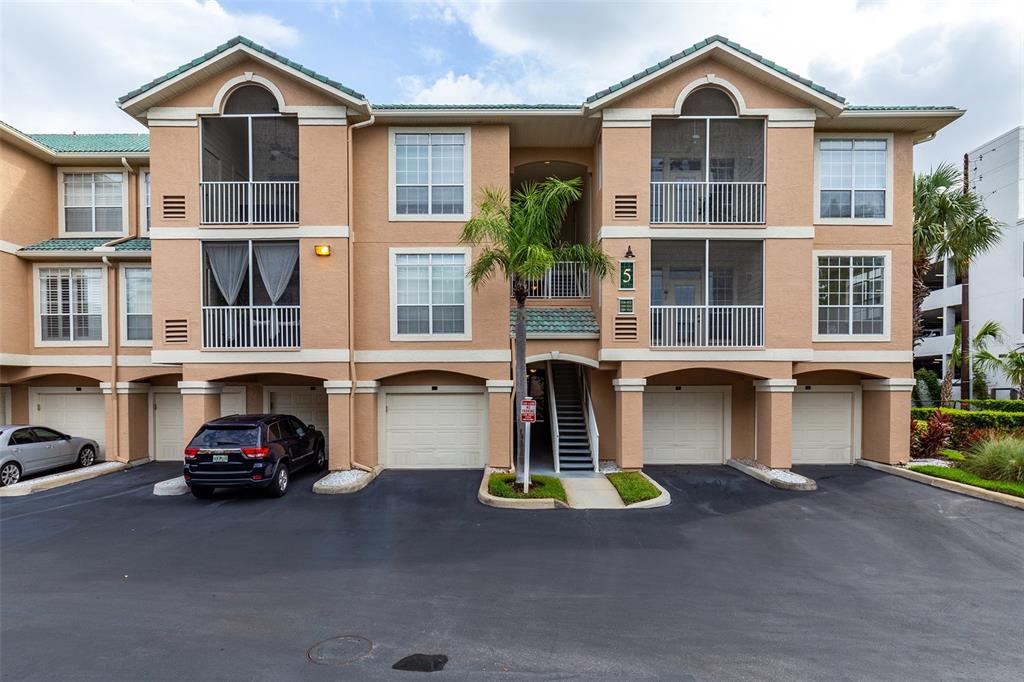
541,488
961,476
633,487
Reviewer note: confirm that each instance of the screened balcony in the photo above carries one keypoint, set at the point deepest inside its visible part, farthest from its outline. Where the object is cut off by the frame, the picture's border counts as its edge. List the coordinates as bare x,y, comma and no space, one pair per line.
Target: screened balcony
250,162
707,165
707,293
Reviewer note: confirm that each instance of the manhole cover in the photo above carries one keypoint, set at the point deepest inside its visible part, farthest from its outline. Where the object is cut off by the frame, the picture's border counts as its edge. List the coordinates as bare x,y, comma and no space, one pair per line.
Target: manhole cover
340,650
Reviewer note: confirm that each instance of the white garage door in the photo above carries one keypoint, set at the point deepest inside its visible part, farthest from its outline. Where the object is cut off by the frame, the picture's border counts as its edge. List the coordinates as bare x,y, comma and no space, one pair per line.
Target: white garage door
168,427
308,403
822,428
684,427
78,413
435,431
232,401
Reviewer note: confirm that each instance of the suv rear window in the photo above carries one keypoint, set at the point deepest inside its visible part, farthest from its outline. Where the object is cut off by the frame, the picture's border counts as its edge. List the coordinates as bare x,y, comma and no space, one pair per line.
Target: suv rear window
226,437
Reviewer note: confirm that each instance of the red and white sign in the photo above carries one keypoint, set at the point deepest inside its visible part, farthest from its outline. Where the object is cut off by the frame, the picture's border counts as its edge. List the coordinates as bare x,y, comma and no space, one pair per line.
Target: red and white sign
528,410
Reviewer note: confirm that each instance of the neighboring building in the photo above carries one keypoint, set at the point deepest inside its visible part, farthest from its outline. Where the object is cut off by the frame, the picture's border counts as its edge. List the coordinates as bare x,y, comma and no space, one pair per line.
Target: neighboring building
996,173
296,249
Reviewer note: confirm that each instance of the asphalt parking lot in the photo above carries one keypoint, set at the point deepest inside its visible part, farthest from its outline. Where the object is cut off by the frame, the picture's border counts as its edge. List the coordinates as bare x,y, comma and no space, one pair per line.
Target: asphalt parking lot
870,577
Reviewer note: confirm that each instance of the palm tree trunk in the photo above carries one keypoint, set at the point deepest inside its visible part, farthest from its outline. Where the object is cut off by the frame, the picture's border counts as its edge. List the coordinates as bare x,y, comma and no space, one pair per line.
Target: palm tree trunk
946,390
965,333
919,292
520,294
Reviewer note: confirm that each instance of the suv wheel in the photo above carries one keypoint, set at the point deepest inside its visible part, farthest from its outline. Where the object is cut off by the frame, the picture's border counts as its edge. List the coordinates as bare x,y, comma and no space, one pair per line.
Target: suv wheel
10,473
201,492
280,485
87,457
321,459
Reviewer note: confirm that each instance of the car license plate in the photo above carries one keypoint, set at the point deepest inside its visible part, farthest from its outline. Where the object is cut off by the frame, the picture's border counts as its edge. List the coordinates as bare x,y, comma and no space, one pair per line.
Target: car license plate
220,458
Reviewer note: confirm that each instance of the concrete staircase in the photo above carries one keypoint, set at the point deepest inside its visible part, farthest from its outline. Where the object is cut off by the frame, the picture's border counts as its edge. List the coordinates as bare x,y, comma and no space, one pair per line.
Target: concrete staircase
573,446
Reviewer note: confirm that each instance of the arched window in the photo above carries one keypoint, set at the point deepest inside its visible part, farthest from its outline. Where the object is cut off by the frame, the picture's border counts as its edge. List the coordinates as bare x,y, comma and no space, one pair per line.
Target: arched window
708,102
251,99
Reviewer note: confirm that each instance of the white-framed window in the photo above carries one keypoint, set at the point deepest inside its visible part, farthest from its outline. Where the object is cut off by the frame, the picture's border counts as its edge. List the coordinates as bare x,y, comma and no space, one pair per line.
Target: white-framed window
852,294
429,174
853,179
137,305
70,305
430,294
92,202
145,192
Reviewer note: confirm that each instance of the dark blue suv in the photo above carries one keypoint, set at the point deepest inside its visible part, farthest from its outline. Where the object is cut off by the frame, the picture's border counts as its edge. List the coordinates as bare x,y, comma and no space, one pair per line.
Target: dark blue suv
253,450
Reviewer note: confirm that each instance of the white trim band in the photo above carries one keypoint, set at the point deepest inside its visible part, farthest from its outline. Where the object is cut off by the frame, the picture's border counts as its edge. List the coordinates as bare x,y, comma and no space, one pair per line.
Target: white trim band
249,232
704,232
499,385
175,357
200,388
775,385
889,385
629,385
340,387
367,386
444,356
132,387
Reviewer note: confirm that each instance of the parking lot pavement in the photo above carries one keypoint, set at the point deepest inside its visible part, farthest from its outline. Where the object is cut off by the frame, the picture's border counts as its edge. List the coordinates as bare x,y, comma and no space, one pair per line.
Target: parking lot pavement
870,577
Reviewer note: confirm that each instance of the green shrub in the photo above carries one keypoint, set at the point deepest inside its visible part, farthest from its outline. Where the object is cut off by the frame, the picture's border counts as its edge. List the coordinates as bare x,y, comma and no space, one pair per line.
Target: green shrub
541,487
926,443
996,405
967,477
953,455
970,426
932,389
999,459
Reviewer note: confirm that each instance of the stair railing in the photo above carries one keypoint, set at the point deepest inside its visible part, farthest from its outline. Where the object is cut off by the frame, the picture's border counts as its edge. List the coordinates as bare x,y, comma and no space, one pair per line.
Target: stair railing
592,435
552,413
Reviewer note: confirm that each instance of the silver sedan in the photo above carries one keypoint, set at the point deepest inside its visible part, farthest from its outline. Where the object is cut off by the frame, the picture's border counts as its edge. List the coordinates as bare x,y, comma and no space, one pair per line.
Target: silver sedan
27,449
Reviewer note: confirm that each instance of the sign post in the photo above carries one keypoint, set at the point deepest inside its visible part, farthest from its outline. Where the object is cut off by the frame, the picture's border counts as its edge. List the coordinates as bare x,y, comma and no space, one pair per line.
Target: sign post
527,415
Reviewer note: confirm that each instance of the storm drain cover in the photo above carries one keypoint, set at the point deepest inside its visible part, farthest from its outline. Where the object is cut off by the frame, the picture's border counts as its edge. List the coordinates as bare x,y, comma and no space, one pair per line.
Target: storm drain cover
340,650
422,663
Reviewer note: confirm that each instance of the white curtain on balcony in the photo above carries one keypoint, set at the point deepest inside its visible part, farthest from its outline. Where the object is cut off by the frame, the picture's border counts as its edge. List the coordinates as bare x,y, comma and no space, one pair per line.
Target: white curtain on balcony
229,262
276,261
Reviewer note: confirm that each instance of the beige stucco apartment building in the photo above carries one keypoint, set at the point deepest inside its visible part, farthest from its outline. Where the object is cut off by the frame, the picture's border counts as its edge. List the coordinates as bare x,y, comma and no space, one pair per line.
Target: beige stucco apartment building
277,243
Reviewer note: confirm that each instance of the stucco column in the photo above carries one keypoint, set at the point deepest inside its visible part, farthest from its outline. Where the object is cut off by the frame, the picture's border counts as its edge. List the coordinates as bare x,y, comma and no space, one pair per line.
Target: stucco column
110,430
200,402
773,443
132,421
629,422
885,420
339,402
500,422
365,421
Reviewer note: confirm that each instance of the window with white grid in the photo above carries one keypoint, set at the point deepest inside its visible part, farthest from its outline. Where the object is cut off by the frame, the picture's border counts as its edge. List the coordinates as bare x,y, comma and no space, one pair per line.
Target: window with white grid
853,177
430,171
851,295
138,304
71,304
431,293
93,202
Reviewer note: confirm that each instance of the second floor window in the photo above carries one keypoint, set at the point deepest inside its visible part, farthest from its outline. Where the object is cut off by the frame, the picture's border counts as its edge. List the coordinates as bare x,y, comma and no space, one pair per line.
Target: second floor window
71,304
430,290
429,177
853,177
93,202
138,304
851,295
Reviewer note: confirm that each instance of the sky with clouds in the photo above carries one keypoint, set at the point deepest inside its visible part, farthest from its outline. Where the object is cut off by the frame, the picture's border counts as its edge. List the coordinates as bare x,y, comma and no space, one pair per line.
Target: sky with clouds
63,64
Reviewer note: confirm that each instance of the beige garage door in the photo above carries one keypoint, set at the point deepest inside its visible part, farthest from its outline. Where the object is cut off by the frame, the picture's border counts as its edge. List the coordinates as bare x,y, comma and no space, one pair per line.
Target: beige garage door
822,428
435,430
71,411
308,403
168,427
684,427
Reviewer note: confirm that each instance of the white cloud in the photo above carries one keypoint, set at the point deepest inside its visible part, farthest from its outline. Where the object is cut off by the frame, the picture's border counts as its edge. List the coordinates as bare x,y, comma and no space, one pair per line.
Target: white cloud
63,64
898,52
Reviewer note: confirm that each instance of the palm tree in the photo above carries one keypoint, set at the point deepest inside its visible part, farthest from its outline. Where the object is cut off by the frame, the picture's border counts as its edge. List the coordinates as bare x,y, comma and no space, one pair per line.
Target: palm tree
1011,365
949,222
989,331
520,239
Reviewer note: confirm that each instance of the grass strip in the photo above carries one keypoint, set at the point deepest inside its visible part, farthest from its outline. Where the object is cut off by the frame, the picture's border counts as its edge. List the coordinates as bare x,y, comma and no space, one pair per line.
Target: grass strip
541,487
961,476
633,486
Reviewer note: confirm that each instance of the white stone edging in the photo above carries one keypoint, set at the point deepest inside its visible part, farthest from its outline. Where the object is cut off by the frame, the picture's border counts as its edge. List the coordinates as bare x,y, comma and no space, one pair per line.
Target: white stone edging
945,484
36,485
325,486
773,477
171,487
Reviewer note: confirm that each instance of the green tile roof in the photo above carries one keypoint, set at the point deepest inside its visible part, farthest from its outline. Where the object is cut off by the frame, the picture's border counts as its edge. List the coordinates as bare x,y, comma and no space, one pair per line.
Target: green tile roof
65,245
137,244
123,143
557,321
483,107
704,43
240,40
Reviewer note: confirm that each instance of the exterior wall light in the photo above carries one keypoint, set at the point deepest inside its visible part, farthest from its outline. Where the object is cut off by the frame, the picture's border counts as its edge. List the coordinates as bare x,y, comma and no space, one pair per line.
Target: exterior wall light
322,249
629,251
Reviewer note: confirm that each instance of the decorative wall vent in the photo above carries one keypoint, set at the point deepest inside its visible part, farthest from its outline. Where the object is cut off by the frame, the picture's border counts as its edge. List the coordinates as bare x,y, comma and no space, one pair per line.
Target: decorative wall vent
625,329
626,207
175,331
174,207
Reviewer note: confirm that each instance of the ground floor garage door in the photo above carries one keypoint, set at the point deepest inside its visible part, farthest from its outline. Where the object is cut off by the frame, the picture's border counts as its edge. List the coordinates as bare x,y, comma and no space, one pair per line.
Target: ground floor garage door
684,427
168,427
435,431
78,413
308,403
823,427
